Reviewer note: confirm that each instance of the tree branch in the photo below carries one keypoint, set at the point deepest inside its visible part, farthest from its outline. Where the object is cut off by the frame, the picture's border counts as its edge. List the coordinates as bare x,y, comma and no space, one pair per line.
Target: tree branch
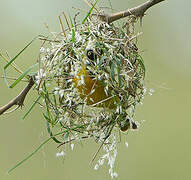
138,11
19,99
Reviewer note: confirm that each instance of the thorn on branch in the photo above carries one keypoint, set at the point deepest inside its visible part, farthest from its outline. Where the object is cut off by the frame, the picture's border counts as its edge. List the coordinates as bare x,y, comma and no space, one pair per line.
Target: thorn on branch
19,99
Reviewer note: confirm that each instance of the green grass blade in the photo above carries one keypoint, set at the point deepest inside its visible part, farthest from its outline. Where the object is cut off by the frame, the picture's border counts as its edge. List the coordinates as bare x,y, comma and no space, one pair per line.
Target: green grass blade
38,148
119,72
48,115
66,135
101,61
34,152
22,76
141,62
73,30
13,59
112,72
51,134
30,109
89,12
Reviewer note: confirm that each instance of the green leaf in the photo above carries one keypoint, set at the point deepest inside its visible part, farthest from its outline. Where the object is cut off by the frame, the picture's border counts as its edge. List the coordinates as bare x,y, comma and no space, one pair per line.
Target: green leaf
73,30
89,12
22,76
48,115
30,109
56,119
13,59
118,72
112,73
101,61
97,44
38,148
66,135
141,62
34,152
51,134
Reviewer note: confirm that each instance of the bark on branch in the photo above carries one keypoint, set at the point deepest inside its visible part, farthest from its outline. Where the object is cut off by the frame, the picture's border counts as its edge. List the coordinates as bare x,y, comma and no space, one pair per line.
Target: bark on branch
18,100
138,11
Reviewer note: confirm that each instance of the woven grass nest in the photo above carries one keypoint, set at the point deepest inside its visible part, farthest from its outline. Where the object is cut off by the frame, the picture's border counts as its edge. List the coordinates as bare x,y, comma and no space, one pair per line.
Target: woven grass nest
108,56
91,78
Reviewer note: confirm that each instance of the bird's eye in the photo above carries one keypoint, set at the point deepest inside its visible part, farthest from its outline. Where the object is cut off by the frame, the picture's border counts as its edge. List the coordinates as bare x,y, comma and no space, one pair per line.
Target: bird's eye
91,55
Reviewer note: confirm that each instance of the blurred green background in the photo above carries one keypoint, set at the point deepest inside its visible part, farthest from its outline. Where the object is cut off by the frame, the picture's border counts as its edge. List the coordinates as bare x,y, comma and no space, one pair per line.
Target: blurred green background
159,150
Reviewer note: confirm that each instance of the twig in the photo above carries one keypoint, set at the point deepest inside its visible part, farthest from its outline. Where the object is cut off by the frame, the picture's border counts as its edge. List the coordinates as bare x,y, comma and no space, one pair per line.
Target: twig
65,142
96,153
138,11
62,26
90,4
66,21
44,39
18,100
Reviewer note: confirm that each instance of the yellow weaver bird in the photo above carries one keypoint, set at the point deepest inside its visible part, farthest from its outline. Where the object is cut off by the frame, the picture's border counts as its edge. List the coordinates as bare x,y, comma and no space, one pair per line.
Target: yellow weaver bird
91,89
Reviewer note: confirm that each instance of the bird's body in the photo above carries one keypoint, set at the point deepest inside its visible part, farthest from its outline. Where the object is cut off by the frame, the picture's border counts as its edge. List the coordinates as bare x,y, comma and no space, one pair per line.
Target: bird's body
92,90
